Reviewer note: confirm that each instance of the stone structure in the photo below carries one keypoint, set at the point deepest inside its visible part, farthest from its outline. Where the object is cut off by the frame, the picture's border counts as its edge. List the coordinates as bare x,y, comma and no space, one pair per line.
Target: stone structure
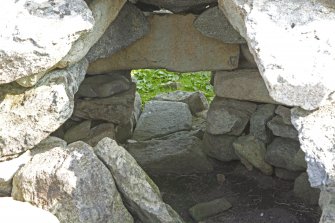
48,48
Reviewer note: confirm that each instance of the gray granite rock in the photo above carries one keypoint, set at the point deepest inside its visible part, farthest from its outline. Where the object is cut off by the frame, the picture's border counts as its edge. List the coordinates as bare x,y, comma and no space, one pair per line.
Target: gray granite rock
279,128
286,174
284,113
299,159
99,132
203,210
304,191
78,132
258,121
220,147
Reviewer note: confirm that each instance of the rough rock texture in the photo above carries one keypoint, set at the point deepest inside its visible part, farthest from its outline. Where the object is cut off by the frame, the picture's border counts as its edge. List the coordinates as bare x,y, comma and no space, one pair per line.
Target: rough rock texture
159,49
160,118
73,184
281,153
316,135
299,159
116,109
99,132
286,174
180,153
78,132
227,116
220,147
213,23
258,122
247,60
35,36
29,115
244,84
129,26
279,128
104,12
284,113
303,190
140,193
303,34
196,101
252,152
9,209
327,204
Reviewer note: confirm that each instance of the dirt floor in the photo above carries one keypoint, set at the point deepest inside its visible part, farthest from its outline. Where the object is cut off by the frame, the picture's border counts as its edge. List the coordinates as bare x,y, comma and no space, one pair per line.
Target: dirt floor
256,198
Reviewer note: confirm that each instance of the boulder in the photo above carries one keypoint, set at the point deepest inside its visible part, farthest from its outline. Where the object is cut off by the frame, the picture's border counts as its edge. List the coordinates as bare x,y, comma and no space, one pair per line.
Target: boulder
29,115
140,193
78,132
258,121
297,67
243,84
284,113
129,26
220,147
227,116
159,49
281,153
28,213
213,23
72,183
196,101
179,153
35,36
304,191
252,153
279,128
161,118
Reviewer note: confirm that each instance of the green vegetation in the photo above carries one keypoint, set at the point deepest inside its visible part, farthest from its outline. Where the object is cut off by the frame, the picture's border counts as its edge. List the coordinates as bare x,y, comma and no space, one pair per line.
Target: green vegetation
152,82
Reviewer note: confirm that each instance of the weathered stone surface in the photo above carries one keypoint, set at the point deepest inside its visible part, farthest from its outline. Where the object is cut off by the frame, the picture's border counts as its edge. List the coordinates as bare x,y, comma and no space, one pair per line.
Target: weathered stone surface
180,153
252,151
78,132
104,12
303,35
177,6
140,193
196,101
116,109
284,113
29,115
304,191
160,118
247,60
159,49
286,174
73,184
299,159
279,128
220,147
244,84
103,86
129,26
17,211
227,116
327,204
202,210
316,135
281,153
35,36
258,122
213,23
8,170
99,132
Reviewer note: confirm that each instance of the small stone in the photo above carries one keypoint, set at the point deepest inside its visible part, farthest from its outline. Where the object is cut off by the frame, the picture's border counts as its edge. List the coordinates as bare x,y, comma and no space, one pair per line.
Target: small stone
284,113
207,209
78,132
304,191
279,128
220,147
258,122
220,178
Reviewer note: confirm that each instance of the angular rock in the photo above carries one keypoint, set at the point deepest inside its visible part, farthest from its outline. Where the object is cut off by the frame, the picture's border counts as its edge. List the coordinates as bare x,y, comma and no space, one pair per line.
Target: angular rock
247,60
28,213
196,101
220,147
284,113
129,26
140,193
244,84
213,23
35,36
227,116
180,153
203,210
286,174
279,128
104,13
281,153
8,170
316,135
253,152
327,204
159,49
99,132
161,118
299,160
307,83
29,115
304,191
72,183
117,109
101,86
78,132
258,122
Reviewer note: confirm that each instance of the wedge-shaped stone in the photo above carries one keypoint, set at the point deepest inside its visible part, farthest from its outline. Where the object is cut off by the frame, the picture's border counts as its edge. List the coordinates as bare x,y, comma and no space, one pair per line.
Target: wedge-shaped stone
258,121
279,128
